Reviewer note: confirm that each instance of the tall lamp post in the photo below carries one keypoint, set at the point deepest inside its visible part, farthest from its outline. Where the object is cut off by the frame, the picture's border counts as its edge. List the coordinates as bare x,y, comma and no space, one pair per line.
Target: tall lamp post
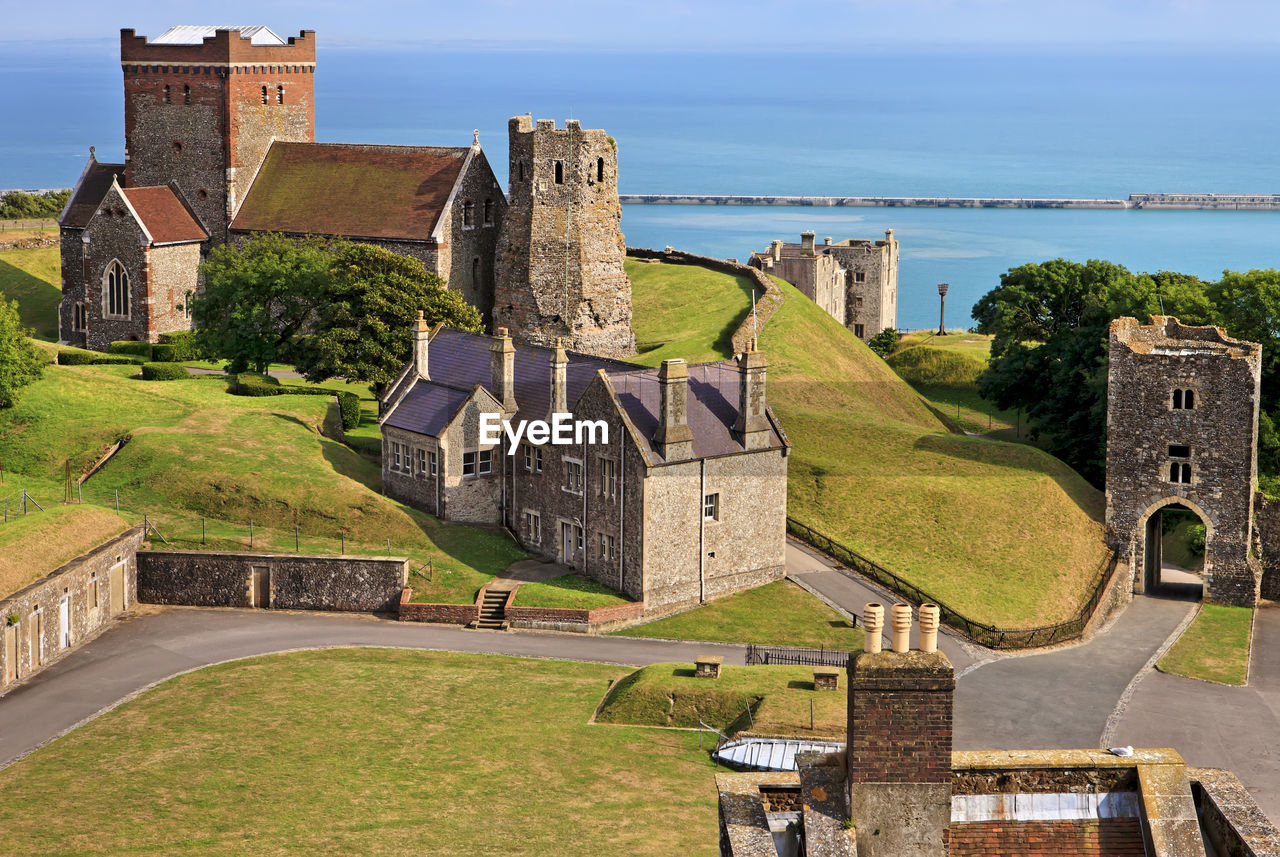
942,310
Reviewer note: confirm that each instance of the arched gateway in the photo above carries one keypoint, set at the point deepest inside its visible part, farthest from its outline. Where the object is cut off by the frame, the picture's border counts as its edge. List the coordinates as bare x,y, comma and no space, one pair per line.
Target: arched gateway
1182,428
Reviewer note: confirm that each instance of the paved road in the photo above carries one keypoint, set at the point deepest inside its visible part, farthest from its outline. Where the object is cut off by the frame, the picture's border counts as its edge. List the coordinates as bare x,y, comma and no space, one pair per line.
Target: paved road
150,648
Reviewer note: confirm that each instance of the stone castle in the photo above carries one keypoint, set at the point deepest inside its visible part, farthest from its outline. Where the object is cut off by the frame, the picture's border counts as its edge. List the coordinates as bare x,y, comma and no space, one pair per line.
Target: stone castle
220,143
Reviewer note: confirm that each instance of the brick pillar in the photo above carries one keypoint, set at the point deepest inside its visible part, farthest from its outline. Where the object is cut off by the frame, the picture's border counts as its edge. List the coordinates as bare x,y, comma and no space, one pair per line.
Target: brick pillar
899,753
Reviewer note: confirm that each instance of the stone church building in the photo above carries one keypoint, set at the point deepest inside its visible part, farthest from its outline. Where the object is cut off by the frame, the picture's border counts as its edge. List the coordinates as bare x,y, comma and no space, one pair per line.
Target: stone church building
220,143
681,499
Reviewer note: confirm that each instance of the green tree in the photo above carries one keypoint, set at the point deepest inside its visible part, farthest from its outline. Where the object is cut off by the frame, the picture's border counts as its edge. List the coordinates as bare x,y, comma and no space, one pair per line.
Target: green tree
20,362
1049,323
885,341
371,299
258,298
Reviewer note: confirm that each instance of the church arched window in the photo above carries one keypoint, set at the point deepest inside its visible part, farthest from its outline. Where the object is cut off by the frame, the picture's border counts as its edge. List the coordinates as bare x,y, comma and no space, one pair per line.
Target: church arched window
280,94
115,291
264,95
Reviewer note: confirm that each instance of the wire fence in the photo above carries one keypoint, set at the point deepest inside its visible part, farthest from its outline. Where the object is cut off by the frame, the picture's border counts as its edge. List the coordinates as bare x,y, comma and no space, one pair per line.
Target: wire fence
991,636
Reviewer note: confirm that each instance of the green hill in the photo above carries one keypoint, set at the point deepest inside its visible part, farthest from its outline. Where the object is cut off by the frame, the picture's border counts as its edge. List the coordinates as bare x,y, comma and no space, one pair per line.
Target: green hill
1003,532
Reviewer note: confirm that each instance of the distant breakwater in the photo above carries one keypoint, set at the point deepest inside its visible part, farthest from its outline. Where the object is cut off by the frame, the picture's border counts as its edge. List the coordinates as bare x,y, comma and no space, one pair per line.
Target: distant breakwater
1184,201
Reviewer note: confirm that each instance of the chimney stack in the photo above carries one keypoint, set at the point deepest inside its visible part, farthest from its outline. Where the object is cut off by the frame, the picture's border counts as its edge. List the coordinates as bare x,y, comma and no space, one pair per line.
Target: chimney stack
775,250
827,241
899,744
751,429
806,242
559,379
502,367
674,439
421,338
888,236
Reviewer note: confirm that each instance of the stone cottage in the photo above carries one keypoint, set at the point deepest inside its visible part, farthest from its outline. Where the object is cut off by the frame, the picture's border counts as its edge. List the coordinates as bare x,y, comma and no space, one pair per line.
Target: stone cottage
671,488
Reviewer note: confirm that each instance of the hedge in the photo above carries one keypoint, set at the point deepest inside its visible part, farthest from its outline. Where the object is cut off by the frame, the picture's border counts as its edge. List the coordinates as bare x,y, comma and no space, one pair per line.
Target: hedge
163,372
255,385
181,344
138,349
78,357
349,405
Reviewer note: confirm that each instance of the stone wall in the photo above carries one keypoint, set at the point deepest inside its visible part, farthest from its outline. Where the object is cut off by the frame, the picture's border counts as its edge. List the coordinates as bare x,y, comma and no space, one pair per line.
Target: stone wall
1230,816
768,300
597,620
71,254
296,582
408,483
1266,522
1145,432
468,267
96,587
114,234
173,278
871,280
559,263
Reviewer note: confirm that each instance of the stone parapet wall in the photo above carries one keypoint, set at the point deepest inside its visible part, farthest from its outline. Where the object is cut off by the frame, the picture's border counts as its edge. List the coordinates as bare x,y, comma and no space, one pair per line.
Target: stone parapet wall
297,582
1230,817
445,614
1266,522
96,586
592,621
767,303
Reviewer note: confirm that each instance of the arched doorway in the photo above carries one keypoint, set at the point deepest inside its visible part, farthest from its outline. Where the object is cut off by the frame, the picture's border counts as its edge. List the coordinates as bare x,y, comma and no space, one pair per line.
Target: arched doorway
1176,549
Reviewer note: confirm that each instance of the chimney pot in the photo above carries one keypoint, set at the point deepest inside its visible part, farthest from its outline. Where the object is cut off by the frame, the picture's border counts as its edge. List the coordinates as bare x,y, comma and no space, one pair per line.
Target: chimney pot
901,628
873,624
929,627
827,240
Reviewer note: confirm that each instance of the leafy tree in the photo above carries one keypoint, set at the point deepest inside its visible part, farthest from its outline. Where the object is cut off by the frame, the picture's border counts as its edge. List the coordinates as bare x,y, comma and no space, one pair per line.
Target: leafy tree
885,341
258,298
371,299
20,362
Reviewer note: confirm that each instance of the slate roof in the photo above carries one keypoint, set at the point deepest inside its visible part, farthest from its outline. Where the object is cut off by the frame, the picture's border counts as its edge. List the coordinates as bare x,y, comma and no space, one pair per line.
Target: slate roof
94,183
188,34
164,215
459,361
396,192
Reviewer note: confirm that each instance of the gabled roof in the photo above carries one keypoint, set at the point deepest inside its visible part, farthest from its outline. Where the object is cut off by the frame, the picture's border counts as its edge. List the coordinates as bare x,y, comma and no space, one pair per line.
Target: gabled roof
459,361
188,34
359,191
93,185
164,215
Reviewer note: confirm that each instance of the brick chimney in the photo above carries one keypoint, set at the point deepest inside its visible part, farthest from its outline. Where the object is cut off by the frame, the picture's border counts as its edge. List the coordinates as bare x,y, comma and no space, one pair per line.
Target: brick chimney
421,336
674,439
502,367
806,242
559,379
751,429
899,752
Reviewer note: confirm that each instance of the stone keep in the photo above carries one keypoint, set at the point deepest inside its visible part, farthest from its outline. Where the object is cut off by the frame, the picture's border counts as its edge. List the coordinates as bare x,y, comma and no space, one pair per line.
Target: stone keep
203,115
559,267
1182,428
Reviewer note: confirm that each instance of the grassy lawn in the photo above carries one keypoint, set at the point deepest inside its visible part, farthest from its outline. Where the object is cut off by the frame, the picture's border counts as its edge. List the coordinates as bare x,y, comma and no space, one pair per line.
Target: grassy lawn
1215,647
365,752
34,544
945,373
872,466
567,590
778,697
719,302
33,278
777,614
196,452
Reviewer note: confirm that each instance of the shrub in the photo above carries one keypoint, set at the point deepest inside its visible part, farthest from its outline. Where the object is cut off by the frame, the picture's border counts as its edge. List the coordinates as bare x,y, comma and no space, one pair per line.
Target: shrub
885,341
164,353
183,343
163,372
349,405
293,390
138,349
256,385
113,360
76,357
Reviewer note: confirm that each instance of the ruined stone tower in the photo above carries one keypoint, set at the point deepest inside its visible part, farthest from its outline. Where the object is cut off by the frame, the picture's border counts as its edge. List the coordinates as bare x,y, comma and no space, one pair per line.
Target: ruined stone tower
1182,429
559,268
202,105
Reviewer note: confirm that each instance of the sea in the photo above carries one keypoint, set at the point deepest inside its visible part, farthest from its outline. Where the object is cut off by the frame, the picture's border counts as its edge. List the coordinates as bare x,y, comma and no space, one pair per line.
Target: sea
868,122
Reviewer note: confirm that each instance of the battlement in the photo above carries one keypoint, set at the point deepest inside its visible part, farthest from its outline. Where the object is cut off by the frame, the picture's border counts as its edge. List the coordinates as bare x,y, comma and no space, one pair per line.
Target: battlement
572,128
1166,332
224,48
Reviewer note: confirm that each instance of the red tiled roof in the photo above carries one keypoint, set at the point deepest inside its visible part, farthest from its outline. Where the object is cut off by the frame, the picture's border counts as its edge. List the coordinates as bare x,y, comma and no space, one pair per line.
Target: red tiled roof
1105,837
164,215
351,190
93,186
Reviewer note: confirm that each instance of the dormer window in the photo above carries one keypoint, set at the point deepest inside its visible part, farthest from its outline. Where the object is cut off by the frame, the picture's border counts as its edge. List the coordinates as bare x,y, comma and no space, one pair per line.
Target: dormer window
1184,399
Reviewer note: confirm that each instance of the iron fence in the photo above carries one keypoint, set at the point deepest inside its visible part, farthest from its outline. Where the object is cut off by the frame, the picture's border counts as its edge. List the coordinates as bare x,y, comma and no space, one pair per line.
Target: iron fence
980,632
796,656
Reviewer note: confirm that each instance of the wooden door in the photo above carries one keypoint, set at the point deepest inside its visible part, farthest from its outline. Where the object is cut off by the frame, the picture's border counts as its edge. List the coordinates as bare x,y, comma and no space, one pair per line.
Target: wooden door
35,640
261,586
117,589
64,622
566,540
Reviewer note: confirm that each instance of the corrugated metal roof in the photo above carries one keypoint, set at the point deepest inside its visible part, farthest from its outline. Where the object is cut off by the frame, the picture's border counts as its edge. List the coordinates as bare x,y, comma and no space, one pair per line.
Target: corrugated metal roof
770,754
195,34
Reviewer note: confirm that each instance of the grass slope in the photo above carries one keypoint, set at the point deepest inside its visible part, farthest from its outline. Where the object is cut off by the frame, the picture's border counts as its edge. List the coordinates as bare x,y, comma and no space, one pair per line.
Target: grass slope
779,699
33,278
777,614
567,590
722,302
1215,647
944,370
1003,532
34,544
365,752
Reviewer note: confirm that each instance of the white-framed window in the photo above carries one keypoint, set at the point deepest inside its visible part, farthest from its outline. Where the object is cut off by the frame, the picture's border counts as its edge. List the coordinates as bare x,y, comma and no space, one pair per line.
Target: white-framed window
608,547
115,291
537,459
608,477
528,457
578,540
533,526
486,461
711,507
422,462
469,463
395,455
859,276
573,476
431,463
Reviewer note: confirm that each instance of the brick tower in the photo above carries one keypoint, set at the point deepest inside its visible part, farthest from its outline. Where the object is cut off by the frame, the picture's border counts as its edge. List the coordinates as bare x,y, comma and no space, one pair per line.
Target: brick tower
559,267
202,104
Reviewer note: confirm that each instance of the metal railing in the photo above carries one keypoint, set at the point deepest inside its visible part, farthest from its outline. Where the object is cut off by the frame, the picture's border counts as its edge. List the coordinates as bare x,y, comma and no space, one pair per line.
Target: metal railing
796,656
991,636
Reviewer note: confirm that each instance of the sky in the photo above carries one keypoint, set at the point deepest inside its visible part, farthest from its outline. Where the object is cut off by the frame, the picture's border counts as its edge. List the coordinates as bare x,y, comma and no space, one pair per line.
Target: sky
719,25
